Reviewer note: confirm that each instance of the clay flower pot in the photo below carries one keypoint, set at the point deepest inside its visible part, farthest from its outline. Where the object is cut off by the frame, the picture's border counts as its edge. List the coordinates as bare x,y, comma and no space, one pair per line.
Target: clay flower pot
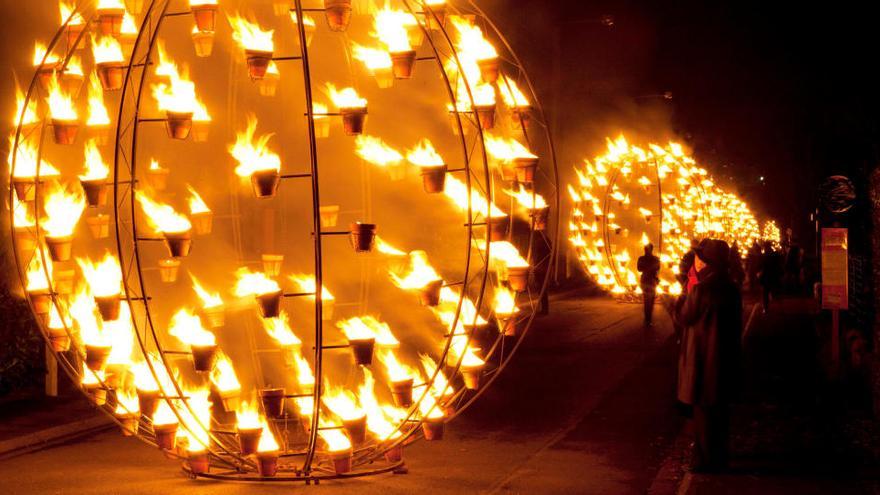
248,440
402,63
178,124
215,316
273,402
128,424
73,32
438,20
429,295
202,222
203,41
60,247
41,301
363,237
353,120
111,74
158,178
230,400
59,340
471,376
508,324
110,20
179,244
97,392
96,192
166,436
270,304
362,350
394,454
265,183
148,401
99,226
267,463
96,356
341,461
356,429
518,277
525,169
168,269
434,178
329,216
203,356
108,306
25,188
433,428
257,63
198,462
338,13
402,392
65,131
490,68
497,228
486,116
272,264
522,116
205,17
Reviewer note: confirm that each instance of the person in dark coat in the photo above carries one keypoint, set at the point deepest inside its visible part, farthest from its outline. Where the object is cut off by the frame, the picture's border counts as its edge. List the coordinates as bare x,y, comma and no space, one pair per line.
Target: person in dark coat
737,273
686,264
708,366
770,275
649,266
753,265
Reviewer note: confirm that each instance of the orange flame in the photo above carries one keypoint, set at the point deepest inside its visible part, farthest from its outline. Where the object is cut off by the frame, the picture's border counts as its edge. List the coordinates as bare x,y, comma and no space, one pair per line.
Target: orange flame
253,155
63,209
424,155
161,217
250,35
253,283
376,151
187,327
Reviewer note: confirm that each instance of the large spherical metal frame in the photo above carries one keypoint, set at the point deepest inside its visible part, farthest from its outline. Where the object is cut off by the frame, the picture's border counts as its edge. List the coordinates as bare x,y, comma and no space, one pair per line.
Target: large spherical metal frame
477,275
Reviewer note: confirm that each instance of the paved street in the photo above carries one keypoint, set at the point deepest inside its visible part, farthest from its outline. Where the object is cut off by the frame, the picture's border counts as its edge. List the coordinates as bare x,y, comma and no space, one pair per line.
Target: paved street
586,407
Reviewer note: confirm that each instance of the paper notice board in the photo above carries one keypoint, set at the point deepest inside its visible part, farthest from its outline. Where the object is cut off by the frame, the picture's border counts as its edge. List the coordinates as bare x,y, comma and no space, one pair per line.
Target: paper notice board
835,276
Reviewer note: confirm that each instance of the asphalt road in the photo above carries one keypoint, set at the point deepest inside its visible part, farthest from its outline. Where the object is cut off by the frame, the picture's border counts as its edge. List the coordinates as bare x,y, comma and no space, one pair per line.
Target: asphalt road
587,407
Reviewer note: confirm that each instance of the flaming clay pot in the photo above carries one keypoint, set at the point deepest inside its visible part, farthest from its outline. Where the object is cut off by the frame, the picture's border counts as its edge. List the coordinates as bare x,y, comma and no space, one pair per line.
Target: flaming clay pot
73,32
158,178
437,20
214,316
363,237
497,228
362,350
518,277
267,463
97,392
128,423
402,63
99,226
178,124
60,247
202,222
198,462
203,41
111,74
434,178
265,183
429,295
270,304
356,429
433,428
165,436
72,82
96,356
402,392
394,454
65,131
269,85
25,188
108,306
273,402
168,269
486,116
329,216
148,401
179,244
272,264
26,241
353,120
508,325
58,339
539,217
63,280
205,17
203,356
41,301
96,192
257,63
490,68
471,376
110,20
230,399
341,461
338,13
248,440
525,169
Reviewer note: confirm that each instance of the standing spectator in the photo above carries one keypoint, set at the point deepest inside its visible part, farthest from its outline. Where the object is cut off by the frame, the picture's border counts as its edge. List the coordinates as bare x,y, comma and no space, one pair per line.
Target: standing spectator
737,274
753,265
649,266
770,274
685,276
708,366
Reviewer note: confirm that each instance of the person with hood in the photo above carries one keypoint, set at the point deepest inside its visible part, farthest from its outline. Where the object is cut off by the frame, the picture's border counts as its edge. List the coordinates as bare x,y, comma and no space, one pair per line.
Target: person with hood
649,266
708,367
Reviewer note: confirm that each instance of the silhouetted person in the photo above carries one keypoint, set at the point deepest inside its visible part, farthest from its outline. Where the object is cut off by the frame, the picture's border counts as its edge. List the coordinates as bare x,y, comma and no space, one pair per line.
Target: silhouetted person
708,365
686,277
735,264
753,265
649,266
770,275
793,265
